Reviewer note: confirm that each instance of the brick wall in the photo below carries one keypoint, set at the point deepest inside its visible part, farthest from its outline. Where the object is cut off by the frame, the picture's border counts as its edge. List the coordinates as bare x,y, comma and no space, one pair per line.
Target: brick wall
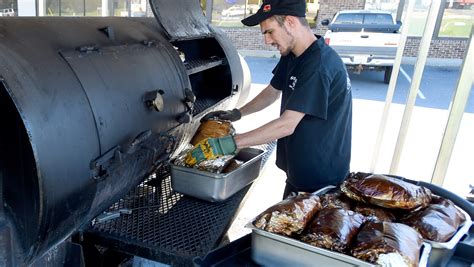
248,38
439,48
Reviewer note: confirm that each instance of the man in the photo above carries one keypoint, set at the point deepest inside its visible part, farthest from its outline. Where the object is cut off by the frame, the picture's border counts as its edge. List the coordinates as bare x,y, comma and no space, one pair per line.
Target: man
314,127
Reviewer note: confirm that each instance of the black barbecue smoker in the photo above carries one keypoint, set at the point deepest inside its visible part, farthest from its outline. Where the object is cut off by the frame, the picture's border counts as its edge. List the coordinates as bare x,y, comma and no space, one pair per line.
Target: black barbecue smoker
90,110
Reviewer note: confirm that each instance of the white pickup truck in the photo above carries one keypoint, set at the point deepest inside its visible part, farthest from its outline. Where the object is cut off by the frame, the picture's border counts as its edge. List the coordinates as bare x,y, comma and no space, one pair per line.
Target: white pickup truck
365,39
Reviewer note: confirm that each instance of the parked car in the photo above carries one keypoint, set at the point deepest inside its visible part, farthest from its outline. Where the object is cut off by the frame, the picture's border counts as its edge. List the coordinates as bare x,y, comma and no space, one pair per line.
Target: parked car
7,12
459,4
239,10
365,39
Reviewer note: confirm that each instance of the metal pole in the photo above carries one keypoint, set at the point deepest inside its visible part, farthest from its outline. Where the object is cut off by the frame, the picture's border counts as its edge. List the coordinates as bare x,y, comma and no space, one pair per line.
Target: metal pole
416,80
401,5
458,107
209,7
392,84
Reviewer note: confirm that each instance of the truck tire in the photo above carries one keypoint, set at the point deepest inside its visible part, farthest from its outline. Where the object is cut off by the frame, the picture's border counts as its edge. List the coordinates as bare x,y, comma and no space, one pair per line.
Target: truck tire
387,74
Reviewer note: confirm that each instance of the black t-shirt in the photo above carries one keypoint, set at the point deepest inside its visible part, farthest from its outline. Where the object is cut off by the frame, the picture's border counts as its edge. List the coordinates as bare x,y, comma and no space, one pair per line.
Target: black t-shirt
315,83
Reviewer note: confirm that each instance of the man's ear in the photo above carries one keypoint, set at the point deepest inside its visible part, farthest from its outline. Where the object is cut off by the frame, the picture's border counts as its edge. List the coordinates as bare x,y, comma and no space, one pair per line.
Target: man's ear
291,20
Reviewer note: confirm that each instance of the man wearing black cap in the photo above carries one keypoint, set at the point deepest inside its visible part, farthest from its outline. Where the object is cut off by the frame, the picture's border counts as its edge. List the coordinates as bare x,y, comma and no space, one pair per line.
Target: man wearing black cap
315,123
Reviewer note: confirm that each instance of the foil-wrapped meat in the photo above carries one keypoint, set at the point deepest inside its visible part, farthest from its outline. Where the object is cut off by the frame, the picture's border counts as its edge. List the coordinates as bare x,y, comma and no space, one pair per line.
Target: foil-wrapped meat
214,165
386,192
374,213
438,222
180,159
388,244
333,200
289,216
333,229
217,165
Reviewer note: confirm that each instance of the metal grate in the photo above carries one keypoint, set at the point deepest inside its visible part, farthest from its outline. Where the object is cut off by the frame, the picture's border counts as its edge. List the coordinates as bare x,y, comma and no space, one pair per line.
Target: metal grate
167,226
198,65
202,104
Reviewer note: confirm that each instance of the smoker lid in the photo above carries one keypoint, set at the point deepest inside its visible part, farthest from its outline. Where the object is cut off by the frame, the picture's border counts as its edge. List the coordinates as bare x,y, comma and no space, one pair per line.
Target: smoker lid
182,19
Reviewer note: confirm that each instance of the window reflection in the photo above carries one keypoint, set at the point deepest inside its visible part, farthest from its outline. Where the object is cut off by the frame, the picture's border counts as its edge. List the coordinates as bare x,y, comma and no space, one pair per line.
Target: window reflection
457,20
93,8
229,13
52,8
72,8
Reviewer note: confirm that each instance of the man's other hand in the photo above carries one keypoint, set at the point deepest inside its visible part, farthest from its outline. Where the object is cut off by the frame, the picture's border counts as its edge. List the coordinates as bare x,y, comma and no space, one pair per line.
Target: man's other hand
230,115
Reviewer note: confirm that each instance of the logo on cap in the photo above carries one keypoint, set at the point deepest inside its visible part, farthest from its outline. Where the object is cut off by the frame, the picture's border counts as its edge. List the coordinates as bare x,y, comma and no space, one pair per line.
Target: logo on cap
267,8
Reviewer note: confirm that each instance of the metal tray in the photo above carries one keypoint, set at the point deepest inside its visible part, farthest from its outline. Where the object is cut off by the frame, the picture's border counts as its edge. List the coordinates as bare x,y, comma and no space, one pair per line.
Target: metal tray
442,252
270,249
215,187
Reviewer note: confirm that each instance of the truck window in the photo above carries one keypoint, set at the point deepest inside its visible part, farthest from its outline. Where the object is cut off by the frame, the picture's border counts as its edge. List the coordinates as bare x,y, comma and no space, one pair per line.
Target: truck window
378,19
349,19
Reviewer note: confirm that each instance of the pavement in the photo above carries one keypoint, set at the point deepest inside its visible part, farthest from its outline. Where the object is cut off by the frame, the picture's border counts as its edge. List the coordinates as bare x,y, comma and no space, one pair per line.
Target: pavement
418,157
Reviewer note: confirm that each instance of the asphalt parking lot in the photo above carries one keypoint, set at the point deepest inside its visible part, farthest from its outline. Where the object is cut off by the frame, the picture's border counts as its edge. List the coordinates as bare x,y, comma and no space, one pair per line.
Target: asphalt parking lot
369,92
436,90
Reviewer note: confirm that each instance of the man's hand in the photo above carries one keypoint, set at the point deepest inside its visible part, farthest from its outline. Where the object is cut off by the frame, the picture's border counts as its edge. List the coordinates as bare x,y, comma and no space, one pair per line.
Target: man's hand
211,148
230,115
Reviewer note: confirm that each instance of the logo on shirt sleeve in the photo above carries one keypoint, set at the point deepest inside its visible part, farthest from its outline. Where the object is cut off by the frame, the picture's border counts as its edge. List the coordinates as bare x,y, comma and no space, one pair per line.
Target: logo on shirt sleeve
349,85
293,81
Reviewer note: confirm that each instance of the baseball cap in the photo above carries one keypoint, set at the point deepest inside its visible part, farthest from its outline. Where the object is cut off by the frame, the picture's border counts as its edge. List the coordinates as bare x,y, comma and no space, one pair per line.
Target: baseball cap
269,8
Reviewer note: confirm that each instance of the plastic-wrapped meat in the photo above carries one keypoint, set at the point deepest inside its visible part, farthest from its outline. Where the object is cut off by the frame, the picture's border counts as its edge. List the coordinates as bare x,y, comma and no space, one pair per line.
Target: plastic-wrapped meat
334,200
374,213
386,192
289,216
333,229
212,128
388,244
438,222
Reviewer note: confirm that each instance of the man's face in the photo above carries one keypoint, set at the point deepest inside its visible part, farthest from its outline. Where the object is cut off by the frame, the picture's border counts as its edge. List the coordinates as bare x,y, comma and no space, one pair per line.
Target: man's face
277,36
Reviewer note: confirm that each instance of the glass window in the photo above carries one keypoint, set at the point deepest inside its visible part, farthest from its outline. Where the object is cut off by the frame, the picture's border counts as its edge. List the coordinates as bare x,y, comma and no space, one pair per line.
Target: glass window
93,8
229,13
457,19
120,8
72,8
138,8
312,10
418,20
386,5
378,19
52,8
350,19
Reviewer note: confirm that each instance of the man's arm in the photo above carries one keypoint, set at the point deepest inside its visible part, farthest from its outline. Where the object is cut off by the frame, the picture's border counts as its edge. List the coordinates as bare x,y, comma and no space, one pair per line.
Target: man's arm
283,126
267,97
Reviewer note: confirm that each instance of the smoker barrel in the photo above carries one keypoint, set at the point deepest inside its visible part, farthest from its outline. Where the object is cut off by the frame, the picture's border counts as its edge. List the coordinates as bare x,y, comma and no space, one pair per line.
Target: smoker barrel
89,107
